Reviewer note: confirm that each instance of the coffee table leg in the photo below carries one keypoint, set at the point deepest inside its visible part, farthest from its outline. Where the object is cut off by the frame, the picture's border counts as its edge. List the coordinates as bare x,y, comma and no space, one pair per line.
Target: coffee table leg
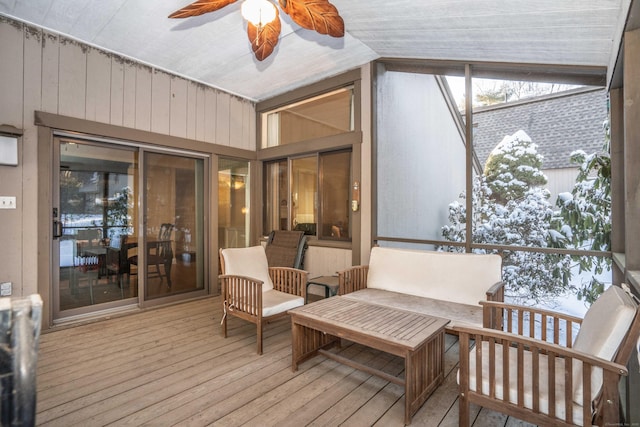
306,341
424,372
296,330
409,395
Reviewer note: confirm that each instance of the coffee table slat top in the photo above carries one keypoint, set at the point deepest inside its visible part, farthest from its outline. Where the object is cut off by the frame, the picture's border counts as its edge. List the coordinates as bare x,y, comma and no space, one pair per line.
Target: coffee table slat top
404,328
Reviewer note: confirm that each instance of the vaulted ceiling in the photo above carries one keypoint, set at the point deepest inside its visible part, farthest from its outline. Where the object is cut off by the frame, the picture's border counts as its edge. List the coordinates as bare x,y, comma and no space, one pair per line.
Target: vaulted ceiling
214,49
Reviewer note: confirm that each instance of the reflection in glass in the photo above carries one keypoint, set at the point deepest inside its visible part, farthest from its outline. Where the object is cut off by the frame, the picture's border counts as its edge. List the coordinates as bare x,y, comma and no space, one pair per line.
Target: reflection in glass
233,203
276,179
304,191
97,193
335,208
174,225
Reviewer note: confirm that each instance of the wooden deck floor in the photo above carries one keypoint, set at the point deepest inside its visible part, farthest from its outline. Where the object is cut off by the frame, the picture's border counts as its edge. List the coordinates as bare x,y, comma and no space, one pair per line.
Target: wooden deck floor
171,366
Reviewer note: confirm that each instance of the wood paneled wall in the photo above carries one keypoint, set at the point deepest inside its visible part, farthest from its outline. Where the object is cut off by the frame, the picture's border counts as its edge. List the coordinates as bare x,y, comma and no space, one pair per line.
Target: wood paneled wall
43,71
47,72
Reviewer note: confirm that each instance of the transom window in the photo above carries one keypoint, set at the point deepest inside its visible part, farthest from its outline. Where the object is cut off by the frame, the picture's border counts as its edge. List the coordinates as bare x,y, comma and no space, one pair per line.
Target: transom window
320,116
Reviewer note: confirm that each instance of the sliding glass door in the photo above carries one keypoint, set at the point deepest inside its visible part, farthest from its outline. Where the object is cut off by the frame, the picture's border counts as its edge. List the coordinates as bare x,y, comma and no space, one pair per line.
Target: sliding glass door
129,226
173,224
94,216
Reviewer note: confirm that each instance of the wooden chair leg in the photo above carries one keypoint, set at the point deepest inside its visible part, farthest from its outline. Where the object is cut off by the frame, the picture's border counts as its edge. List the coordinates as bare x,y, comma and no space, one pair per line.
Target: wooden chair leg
463,409
259,337
608,406
463,401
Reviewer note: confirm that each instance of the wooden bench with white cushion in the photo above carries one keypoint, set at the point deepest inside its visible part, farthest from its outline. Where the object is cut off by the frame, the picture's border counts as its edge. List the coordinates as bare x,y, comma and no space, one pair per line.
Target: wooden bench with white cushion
441,284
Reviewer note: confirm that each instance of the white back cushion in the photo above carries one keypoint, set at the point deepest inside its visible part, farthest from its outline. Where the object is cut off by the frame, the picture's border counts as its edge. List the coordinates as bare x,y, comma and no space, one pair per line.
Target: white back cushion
604,327
250,262
456,277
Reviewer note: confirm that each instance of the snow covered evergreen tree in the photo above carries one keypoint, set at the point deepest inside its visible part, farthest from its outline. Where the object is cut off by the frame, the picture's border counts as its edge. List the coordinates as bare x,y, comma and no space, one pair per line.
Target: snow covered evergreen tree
513,167
585,214
511,208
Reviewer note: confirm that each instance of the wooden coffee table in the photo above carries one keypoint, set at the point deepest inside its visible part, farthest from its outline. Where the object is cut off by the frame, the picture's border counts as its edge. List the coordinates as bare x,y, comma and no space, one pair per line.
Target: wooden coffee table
418,338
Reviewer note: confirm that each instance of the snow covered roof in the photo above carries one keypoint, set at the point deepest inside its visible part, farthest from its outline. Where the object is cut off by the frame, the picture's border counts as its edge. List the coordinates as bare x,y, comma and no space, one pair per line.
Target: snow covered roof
558,124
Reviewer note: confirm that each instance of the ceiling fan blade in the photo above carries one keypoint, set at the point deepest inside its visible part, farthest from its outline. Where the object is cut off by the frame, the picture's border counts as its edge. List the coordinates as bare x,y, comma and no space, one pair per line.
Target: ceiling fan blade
318,15
264,40
200,7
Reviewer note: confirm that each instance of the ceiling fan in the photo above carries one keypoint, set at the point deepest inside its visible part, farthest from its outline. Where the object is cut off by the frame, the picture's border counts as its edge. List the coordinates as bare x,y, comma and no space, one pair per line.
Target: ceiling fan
263,20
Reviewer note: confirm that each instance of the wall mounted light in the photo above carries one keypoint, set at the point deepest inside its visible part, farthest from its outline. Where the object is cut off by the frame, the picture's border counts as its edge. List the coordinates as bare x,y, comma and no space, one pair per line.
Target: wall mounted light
355,196
9,136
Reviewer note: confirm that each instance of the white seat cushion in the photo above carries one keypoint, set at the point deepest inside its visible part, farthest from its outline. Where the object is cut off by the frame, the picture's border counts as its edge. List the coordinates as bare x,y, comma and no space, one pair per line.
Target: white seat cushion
250,262
513,380
604,327
274,302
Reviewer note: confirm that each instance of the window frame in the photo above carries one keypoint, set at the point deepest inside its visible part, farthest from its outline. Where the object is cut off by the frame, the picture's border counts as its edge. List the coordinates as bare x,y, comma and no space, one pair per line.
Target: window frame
344,141
318,202
581,75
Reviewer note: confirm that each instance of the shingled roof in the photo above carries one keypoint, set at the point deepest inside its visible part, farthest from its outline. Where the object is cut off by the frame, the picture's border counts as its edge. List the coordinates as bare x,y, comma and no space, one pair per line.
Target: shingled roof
559,124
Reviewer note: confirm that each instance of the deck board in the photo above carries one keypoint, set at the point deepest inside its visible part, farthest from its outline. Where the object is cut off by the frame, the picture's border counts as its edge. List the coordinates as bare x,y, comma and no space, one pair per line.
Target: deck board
171,366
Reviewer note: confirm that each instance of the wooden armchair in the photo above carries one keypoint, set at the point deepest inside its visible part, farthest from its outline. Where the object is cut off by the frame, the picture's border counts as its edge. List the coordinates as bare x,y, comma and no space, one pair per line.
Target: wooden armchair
253,291
548,378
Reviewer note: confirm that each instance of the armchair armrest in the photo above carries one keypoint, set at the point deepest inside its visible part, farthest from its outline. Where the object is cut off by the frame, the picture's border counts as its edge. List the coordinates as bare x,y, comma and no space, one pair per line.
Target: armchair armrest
484,334
525,367
496,292
290,280
241,294
352,279
512,318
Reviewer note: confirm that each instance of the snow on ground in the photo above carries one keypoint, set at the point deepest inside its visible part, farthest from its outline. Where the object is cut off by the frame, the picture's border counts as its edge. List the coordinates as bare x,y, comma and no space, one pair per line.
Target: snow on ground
569,303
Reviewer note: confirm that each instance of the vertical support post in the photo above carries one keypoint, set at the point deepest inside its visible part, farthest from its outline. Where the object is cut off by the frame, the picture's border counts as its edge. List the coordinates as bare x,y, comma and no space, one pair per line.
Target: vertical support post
616,111
631,102
631,91
468,114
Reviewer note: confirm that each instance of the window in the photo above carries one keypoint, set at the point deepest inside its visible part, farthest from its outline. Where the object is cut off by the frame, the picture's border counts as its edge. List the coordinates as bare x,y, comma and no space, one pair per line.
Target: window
534,187
334,190
233,203
321,116
310,154
309,193
304,190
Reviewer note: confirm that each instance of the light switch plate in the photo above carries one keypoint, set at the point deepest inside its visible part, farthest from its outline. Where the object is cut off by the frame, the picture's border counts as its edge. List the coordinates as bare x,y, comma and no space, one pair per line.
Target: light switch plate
5,289
7,202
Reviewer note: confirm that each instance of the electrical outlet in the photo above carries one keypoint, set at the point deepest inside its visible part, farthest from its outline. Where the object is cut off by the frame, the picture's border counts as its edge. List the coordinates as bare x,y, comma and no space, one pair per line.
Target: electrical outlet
7,202
5,289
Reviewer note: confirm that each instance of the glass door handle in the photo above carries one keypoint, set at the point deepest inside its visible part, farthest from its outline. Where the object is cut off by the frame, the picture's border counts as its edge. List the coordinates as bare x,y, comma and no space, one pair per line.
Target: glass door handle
57,229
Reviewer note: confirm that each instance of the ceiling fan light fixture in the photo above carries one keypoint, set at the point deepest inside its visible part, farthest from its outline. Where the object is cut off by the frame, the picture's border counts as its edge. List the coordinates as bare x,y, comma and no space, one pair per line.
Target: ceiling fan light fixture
258,12
264,27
